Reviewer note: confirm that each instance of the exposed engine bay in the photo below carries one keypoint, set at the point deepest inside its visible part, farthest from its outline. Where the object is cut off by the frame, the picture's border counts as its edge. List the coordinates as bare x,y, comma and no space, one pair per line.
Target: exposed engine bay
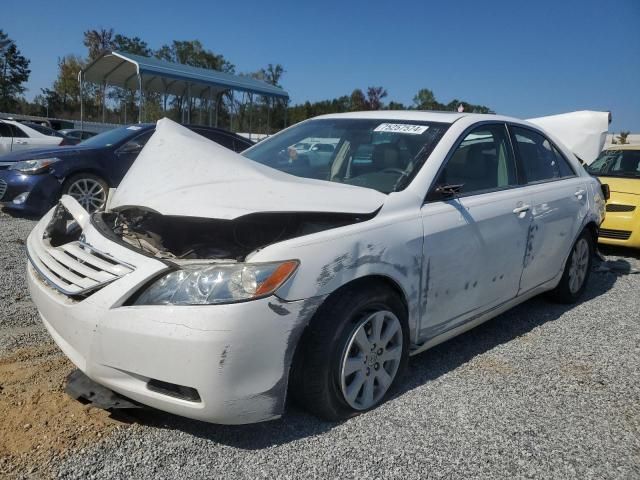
173,237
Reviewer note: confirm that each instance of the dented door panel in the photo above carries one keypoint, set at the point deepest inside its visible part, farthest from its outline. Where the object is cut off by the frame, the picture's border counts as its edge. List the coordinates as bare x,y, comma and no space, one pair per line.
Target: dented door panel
473,253
558,212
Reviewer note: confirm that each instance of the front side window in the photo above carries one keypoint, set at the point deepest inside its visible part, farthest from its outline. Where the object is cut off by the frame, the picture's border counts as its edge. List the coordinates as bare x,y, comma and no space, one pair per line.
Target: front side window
616,163
482,162
5,130
541,161
18,132
383,155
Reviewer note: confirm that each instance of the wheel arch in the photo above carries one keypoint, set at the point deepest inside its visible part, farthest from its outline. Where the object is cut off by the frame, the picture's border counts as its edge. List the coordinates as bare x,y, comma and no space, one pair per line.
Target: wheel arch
80,171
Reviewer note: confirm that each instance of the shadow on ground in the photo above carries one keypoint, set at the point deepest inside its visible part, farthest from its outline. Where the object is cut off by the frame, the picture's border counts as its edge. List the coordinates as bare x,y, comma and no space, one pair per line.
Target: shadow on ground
423,368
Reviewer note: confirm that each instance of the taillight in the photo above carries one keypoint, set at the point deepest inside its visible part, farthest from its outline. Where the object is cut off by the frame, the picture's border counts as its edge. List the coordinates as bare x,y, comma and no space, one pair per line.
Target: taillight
64,142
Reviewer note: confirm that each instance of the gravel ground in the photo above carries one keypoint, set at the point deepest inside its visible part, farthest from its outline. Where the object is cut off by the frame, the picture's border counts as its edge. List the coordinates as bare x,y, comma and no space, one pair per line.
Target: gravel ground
19,321
543,391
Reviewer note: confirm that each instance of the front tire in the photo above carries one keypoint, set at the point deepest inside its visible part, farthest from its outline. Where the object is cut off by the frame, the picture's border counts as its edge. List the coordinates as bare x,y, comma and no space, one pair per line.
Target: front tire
88,189
353,353
576,270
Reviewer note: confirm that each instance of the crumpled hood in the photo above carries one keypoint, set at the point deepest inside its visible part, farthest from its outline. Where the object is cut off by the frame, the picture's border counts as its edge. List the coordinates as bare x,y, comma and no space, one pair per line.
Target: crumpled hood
583,132
182,173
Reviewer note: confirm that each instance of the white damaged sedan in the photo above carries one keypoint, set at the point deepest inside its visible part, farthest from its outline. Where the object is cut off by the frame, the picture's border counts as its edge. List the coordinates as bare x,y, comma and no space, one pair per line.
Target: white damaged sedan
216,284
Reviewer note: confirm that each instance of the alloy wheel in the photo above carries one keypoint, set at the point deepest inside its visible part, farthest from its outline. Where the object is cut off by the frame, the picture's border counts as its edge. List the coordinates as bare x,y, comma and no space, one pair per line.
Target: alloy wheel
371,359
579,265
89,193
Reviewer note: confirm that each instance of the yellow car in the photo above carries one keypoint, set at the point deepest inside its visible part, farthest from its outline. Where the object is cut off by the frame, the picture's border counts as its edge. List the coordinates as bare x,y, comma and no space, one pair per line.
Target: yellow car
619,167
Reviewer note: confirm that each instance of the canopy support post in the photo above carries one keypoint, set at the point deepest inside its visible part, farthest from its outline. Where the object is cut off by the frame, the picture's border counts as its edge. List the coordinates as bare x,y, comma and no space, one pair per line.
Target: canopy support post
104,99
231,113
141,102
286,104
268,99
210,106
250,113
81,80
188,103
218,98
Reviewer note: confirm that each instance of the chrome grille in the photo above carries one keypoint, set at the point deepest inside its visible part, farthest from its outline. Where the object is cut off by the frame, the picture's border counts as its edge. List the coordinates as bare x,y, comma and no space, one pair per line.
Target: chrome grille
615,207
615,234
3,188
74,268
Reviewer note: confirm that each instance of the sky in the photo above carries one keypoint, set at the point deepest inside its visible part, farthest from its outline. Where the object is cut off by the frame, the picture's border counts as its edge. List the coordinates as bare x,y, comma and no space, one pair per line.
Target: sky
524,59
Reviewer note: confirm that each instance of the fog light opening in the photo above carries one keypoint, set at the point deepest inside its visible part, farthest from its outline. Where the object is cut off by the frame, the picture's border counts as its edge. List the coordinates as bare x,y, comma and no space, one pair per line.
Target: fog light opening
20,199
173,390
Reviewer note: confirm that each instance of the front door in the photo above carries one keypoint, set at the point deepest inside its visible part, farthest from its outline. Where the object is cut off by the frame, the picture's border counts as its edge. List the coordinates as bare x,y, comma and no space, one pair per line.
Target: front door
475,239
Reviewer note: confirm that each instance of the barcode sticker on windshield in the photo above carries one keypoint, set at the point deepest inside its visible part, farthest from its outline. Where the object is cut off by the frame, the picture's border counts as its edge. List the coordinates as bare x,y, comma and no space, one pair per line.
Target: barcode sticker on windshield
401,128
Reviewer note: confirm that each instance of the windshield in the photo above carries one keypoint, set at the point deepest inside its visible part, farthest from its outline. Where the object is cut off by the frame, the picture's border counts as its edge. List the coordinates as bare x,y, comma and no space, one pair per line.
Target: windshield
616,163
113,137
381,154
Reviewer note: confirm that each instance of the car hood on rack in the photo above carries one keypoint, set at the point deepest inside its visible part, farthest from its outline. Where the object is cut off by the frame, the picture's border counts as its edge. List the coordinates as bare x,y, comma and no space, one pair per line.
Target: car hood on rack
181,173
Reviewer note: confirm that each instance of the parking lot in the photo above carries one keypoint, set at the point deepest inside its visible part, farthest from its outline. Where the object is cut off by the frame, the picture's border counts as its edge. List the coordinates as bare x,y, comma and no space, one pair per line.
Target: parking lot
543,391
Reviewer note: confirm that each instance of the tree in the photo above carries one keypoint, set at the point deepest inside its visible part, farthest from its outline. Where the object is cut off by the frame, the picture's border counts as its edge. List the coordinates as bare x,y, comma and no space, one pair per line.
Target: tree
272,74
426,100
14,71
374,97
98,41
66,85
622,138
134,45
358,101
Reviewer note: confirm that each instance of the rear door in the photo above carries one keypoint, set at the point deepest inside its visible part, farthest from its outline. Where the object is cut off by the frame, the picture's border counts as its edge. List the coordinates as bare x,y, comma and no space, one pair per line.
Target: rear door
474,242
559,205
6,138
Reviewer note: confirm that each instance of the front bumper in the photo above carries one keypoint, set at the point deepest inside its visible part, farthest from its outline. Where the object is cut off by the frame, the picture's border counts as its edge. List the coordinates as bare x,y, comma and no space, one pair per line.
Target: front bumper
44,190
621,228
237,356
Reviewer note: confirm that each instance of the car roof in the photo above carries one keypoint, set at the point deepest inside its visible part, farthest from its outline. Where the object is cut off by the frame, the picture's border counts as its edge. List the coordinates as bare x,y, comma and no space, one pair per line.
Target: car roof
29,129
421,116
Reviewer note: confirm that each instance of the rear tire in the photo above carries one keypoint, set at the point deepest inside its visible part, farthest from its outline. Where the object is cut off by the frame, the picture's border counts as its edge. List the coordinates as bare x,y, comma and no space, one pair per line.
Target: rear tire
576,270
340,370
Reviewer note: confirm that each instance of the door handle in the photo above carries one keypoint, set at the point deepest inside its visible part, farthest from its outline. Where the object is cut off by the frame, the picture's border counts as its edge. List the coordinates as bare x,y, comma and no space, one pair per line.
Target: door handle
523,208
21,142
580,193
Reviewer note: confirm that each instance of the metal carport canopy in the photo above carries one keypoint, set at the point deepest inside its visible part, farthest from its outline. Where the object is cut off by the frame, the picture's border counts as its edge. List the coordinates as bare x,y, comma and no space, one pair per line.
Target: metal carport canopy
134,71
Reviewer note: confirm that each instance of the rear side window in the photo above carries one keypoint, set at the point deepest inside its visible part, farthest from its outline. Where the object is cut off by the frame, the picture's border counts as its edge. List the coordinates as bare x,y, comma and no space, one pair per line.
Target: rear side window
482,162
541,160
18,132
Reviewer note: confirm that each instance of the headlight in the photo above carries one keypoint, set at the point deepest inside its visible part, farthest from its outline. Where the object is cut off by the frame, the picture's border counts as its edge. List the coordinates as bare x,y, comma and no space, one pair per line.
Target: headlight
211,284
33,166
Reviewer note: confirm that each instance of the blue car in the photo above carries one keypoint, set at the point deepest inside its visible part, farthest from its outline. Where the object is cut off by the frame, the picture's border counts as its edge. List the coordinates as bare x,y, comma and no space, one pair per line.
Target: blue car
32,181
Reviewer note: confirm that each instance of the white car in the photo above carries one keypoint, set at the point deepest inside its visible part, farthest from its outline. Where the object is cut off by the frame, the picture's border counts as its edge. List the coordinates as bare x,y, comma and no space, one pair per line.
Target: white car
216,283
17,136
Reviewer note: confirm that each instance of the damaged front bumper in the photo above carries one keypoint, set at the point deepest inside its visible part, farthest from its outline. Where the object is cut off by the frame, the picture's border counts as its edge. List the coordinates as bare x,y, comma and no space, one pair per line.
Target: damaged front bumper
225,364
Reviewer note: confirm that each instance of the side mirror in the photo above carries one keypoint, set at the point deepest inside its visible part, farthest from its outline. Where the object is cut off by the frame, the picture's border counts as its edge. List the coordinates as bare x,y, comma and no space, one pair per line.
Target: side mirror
449,191
130,147
606,191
